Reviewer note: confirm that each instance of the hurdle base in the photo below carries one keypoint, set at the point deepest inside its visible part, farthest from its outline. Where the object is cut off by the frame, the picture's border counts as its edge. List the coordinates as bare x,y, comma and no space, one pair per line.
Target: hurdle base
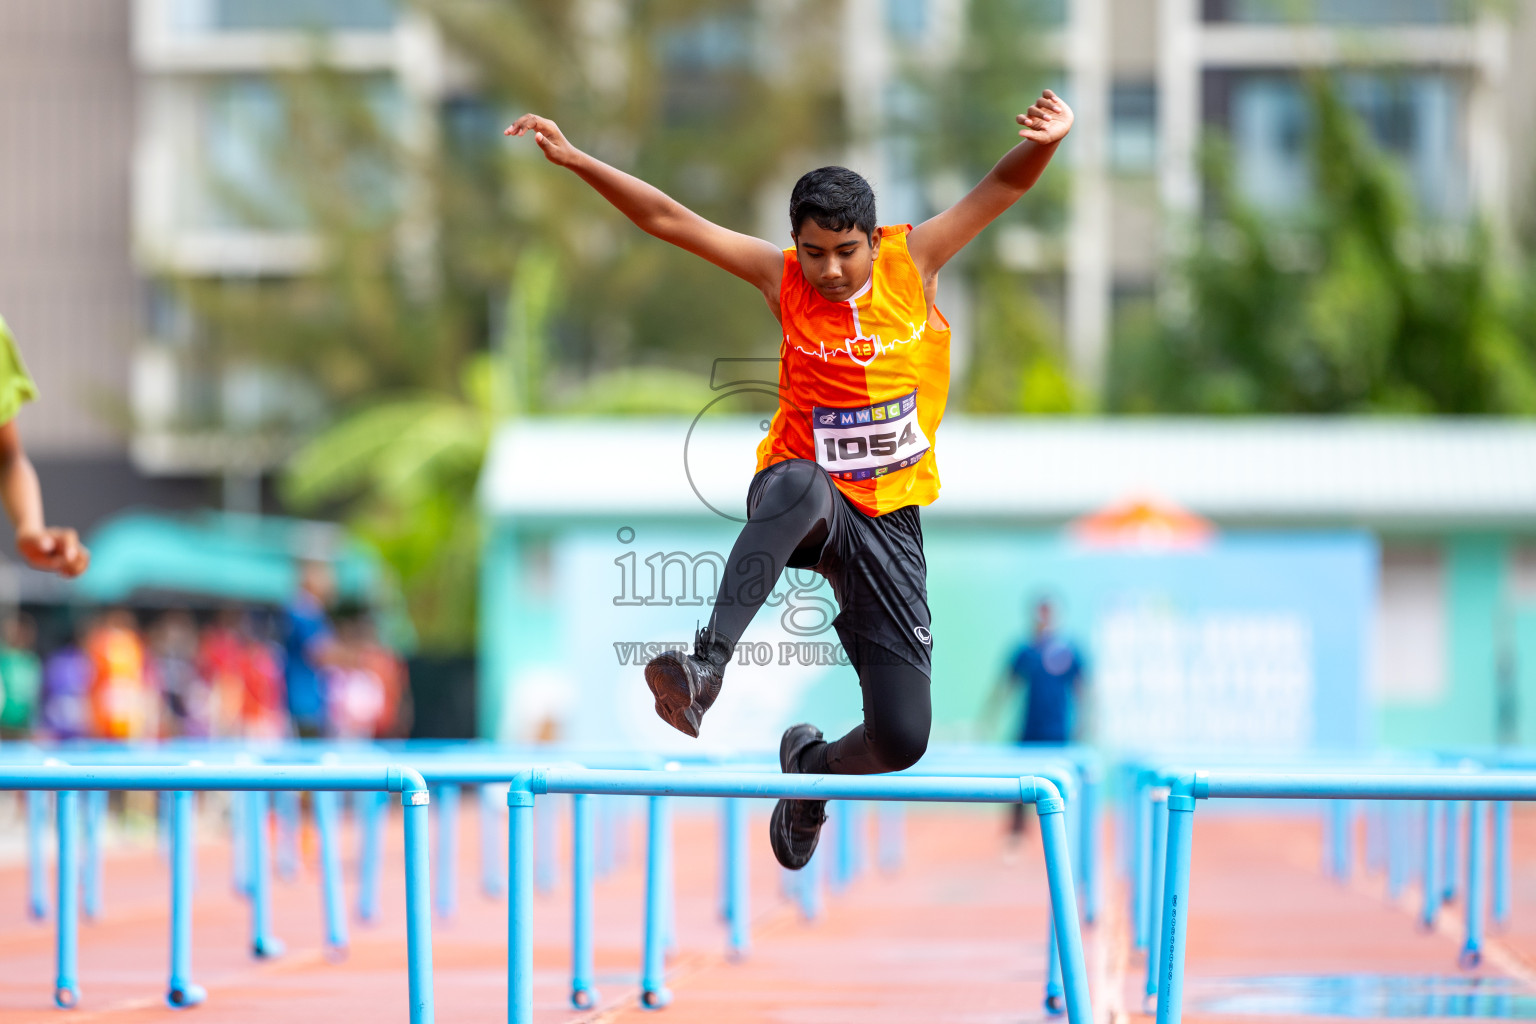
268,949
583,998
184,998
1470,959
656,999
66,997
1055,1004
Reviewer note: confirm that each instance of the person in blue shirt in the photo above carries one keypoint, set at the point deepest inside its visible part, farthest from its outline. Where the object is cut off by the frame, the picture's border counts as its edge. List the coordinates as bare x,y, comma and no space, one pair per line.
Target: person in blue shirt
1051,671
308,648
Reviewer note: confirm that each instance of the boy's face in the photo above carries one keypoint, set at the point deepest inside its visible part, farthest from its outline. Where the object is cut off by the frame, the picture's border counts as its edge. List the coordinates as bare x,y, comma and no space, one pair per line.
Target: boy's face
836,263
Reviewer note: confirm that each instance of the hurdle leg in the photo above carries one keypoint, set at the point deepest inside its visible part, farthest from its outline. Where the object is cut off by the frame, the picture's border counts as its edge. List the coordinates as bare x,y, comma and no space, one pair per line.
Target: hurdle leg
330,872
1452,837
66,986
289,806
1141,865
653,982
181,992
520,843
1501,878
1055,996
492,877
370,828
447,802
737,860
1159,815
263,945
90,882
1472,949
583,995
1431,867
1175,916
724,808
1069,939
37,886
418,903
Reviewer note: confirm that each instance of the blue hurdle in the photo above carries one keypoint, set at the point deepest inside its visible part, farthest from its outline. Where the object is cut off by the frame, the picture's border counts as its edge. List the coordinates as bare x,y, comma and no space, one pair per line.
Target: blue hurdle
524,789
258,780
1186,788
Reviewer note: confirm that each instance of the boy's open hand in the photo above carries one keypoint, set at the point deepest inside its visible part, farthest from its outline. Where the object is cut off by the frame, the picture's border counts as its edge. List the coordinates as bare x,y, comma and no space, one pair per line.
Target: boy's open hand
1047,121
54,549
549,137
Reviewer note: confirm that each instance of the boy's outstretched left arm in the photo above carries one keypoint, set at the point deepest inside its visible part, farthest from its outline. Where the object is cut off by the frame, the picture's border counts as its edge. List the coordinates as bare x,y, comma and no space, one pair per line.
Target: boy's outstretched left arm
50,548
936,240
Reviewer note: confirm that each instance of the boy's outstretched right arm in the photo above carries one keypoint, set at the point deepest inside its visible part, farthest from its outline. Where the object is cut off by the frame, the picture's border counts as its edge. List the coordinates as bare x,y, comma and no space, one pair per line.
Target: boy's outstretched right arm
758,262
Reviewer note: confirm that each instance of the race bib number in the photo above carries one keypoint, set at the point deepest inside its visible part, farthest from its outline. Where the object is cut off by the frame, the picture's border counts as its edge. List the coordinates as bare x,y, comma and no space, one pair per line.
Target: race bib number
857,444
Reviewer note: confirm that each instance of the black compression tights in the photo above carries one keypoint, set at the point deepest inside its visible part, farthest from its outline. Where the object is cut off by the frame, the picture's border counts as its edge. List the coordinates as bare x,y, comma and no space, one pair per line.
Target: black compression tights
789,514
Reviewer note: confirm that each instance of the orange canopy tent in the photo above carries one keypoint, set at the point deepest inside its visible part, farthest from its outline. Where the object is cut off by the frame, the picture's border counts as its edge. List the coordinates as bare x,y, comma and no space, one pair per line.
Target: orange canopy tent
1143,523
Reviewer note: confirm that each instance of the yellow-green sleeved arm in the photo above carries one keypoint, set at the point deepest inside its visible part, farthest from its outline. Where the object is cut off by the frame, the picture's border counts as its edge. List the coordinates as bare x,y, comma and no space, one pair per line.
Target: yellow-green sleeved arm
16,387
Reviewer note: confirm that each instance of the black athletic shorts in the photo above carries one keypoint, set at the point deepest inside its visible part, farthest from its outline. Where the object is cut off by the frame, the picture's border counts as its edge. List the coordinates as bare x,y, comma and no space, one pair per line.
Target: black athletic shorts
880,578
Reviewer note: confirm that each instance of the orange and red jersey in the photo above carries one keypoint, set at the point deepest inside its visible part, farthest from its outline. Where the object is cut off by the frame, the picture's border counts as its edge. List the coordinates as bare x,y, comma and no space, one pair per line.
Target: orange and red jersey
863,383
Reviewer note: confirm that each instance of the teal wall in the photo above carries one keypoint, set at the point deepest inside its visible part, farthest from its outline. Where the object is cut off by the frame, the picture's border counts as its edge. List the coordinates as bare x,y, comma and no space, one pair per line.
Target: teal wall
1476,614
556,607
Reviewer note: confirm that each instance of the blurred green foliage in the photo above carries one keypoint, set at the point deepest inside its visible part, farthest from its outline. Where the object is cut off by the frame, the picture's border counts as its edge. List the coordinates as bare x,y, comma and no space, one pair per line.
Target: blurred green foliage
462,279
1017,362
1357,305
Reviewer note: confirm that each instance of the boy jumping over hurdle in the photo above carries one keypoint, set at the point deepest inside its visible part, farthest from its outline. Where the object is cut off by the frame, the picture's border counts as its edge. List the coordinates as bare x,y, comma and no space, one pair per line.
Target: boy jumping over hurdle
848,459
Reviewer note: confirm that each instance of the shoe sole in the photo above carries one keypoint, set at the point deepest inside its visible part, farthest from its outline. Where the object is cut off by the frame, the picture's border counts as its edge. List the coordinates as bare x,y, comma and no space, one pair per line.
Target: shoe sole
778,827
776,824
674,697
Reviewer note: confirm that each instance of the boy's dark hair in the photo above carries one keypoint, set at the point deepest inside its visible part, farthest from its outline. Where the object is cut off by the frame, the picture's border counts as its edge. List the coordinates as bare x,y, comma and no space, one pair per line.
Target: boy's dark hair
835,198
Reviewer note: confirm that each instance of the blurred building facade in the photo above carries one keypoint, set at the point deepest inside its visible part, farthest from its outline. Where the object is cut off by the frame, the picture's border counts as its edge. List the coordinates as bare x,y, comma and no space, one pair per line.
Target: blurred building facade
126,128
1369,582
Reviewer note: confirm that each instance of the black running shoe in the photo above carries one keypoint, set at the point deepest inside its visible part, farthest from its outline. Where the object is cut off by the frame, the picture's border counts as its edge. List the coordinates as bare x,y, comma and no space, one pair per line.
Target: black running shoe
686,685
796,824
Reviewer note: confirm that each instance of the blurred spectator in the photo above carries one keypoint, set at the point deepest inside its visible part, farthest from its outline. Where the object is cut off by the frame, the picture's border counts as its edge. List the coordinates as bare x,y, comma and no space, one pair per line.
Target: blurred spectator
67,676
1050,670
21,673
244,680
122,701
173,651
309,648
221,662
395,718
365,687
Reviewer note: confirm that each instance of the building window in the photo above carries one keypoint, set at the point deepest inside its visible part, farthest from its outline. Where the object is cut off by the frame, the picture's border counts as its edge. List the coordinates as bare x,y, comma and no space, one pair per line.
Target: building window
1412,116
284,15
702,63
246,178
1408,663
1133,127
1339,12
245,183
906,20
